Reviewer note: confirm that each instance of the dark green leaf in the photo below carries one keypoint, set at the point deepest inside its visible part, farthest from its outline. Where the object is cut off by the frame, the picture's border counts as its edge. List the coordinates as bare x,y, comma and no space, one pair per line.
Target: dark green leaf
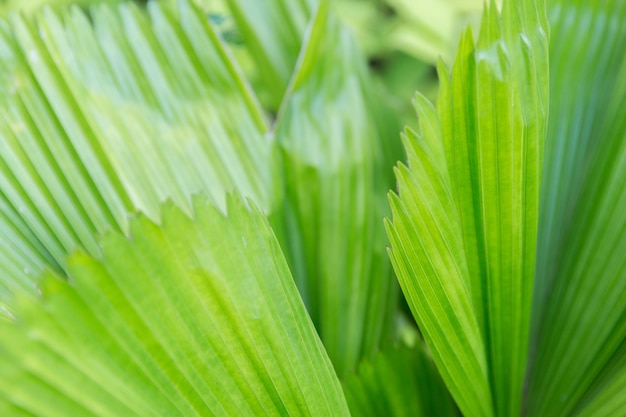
580,300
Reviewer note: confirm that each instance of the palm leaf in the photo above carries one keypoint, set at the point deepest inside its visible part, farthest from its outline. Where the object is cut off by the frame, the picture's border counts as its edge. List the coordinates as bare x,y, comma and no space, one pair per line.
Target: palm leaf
428,29
580,320
464,227
274,51
398,382
442,307
73,94
607,395
331,219
30,6
213,327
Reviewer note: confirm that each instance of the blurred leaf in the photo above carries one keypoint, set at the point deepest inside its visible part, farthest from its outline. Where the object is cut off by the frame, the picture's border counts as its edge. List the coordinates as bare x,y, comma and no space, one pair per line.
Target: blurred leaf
368,23
334,165
73,94
607,396
580,300
423,29
464,226
399,73
429,29
398,382
30,6
214,326
273,31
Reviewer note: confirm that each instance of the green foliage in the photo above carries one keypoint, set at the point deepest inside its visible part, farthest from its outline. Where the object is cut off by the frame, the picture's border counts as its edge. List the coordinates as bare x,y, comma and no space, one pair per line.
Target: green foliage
30,6
332,227
464,230
203,331
581,287
412,386
192,198
72,95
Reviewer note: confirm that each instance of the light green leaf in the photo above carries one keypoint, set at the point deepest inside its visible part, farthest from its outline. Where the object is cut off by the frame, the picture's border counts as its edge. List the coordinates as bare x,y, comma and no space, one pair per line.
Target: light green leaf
428,29
30,6
333,165
580,300
103,118
273,31
434,281
192,318
398,382
464,227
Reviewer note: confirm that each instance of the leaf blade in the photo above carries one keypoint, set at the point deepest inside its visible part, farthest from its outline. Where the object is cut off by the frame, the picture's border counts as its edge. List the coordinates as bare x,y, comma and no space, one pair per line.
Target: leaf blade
335,196
580,321
214,326
398,382
75,90
492,110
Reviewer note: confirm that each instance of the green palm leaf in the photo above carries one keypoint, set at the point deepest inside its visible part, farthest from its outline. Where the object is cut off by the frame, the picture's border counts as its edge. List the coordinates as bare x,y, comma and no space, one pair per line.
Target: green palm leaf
464,227
398,382
428,29
331,219
190,308
580,317
214,326
607,395
442,307
75,94
29,6
273,31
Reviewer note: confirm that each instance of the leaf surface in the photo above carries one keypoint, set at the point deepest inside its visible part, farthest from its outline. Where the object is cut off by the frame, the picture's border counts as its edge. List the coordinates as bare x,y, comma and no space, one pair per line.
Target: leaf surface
465,223
580,296
197,317
273,32
105,118
331,223
398,382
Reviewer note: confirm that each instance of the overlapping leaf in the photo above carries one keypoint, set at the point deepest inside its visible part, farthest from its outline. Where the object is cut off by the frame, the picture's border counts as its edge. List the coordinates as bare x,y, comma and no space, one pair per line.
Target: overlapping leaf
464,227
116,116
29,6
398,382
192,318
273,31
580,317
433,281
333,162
607,396
428,29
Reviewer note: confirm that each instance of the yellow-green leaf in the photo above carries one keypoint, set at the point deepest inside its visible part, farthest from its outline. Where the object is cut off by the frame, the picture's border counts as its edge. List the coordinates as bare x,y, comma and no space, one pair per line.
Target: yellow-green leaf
464,225
196,317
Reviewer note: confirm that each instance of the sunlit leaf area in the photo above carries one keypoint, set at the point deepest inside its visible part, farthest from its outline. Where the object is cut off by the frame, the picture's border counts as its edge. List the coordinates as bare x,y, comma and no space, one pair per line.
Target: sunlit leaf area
367,208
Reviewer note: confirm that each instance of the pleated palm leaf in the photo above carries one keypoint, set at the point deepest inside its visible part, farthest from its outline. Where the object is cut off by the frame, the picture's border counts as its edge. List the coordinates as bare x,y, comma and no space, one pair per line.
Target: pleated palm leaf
174,246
